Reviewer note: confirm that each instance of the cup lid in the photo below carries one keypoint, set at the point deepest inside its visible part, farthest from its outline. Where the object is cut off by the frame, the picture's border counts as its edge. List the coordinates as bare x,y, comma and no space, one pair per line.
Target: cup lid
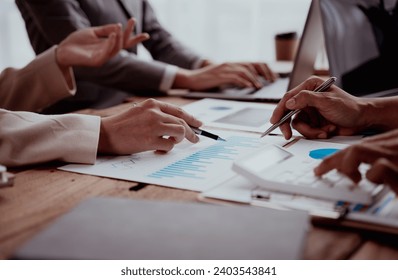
286,35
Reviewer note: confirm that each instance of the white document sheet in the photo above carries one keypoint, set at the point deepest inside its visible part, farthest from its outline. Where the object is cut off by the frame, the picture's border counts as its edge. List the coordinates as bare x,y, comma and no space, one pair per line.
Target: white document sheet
196,167
304,147
235,115
239,189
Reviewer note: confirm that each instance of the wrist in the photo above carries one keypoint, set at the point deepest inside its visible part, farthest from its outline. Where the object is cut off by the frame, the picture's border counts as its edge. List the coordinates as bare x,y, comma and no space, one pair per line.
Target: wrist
60,57
205,62
104,141
370,113
63,67
183,79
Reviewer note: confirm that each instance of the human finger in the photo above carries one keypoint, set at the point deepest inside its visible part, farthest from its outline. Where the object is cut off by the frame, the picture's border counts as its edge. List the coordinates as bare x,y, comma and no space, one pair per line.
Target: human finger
119,42
233,79
128,39
307,98
180,129
136,40
176,115
115,43
286,129
300,101
175,130
312,125
104,51
128,31
309,84
248,76
106,30
383,171
242,70
335,162
279,111
163,144
382,137
311,132
179,113
264,70
348,160
250,67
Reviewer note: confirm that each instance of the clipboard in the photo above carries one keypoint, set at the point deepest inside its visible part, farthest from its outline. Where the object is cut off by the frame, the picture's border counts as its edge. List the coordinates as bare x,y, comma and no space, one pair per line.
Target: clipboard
343,214
381,217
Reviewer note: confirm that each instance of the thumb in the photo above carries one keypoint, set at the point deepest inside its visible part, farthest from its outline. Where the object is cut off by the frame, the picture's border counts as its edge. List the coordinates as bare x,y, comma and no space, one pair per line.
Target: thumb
107,30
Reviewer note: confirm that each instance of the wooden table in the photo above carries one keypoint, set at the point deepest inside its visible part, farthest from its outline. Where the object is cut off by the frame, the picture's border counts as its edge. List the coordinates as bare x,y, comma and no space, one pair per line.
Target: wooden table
43,193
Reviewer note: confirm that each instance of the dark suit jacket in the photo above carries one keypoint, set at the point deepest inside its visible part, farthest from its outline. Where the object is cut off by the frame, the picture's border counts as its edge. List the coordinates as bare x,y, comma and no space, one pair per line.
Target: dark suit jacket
49,21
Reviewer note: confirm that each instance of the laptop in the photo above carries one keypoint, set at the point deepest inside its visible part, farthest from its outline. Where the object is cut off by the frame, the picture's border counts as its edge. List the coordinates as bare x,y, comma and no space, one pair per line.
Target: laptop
303,67
125,229
361,45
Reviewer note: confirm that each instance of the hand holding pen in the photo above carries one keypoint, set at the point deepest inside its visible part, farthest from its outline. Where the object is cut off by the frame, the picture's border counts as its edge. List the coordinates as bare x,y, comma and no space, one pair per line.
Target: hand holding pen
323,87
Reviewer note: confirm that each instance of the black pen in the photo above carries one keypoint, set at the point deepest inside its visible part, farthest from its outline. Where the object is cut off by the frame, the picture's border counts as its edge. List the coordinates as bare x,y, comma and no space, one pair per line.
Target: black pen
205,133
324,86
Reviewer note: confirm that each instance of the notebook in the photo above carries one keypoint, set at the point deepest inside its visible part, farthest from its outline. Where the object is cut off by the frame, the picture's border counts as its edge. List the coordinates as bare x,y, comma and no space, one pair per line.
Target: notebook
114,228
303,67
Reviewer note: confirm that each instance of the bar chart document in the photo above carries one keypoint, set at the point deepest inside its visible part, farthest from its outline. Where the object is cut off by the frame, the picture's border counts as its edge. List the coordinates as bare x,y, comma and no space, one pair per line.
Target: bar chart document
195,167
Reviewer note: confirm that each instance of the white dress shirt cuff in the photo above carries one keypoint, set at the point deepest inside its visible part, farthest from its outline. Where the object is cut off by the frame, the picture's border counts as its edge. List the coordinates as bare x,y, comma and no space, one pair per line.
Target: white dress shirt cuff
168,78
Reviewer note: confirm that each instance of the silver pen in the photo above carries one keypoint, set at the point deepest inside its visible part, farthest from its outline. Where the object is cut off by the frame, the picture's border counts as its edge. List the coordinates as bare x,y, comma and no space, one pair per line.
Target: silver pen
323,87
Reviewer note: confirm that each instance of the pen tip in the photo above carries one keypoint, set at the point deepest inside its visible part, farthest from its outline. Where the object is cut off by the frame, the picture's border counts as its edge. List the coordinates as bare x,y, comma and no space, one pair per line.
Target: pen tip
221,139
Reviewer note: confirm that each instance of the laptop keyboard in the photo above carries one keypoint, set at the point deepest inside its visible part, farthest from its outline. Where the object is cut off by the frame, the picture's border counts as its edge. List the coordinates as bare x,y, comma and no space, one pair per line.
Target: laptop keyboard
240,91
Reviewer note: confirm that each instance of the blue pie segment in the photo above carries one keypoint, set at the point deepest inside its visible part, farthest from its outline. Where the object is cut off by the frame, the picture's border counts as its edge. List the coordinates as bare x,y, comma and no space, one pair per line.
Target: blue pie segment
322,153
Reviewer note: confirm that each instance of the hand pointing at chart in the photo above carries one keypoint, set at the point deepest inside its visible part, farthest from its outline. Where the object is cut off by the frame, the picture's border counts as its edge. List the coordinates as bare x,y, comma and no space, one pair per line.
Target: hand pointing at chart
150,125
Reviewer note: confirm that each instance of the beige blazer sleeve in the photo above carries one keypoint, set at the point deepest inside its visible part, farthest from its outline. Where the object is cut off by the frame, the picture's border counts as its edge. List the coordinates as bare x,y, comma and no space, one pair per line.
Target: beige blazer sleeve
36,86
29,138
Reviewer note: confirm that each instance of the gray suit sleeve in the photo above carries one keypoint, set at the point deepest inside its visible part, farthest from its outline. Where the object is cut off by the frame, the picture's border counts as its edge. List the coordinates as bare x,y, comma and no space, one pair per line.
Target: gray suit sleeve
163,46
49,22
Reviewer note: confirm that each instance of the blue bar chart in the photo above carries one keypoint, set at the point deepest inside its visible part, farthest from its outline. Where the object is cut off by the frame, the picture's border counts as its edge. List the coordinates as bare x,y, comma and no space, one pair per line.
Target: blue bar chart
196,167
202,164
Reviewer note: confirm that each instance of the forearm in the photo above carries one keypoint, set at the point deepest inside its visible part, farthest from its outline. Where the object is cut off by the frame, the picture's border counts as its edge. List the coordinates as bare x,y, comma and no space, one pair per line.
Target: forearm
381,113
125,72
182,79
174,53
